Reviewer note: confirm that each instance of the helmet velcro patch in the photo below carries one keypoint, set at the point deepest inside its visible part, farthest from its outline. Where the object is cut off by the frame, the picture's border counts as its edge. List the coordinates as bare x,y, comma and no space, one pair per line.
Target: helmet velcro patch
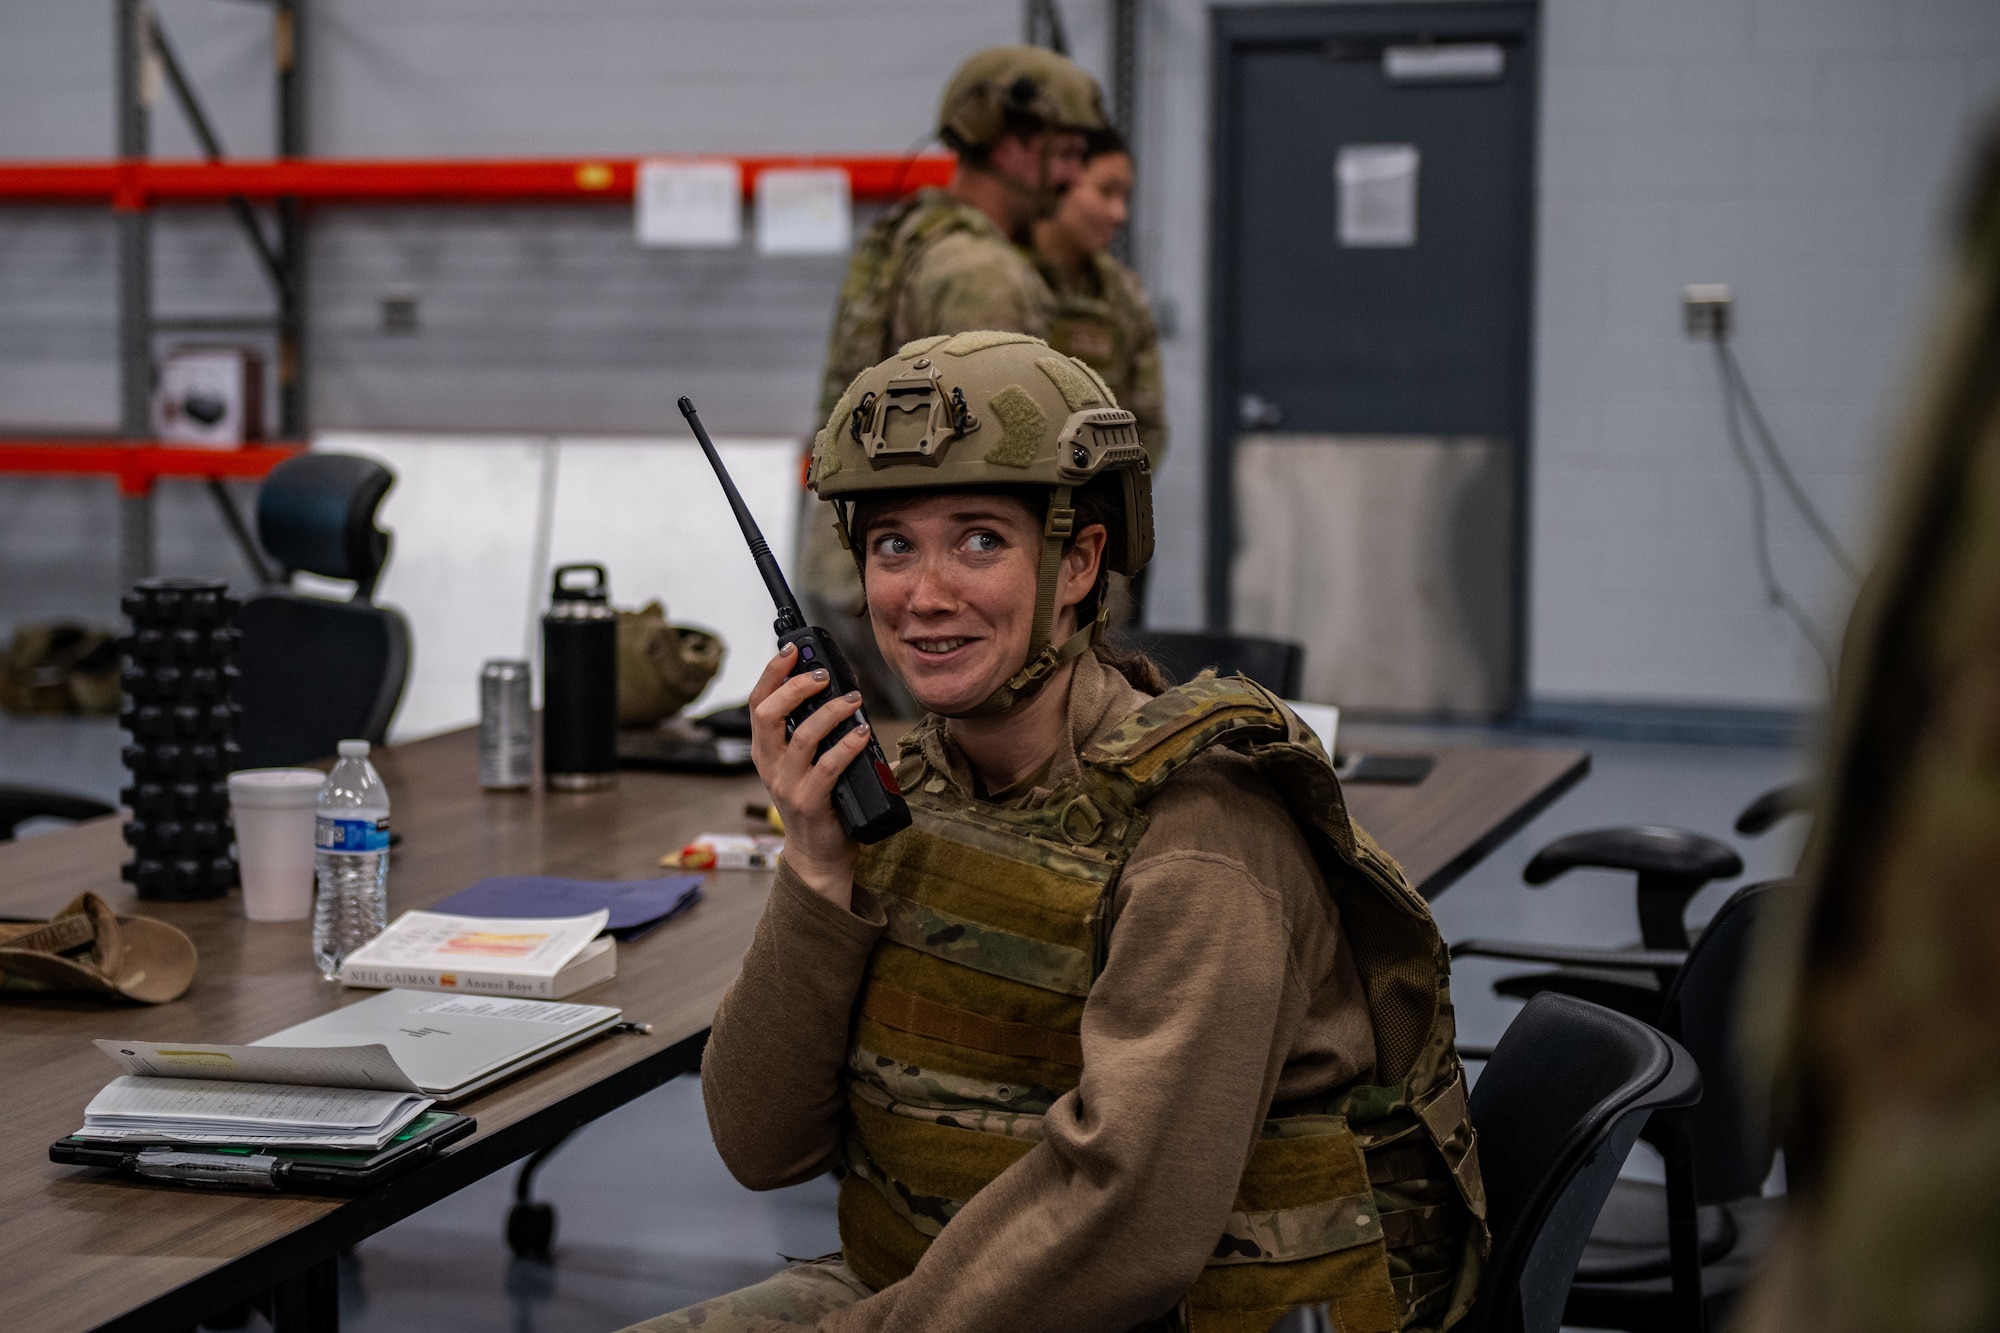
1110,400
1079,389
1022,424
918,346
978,340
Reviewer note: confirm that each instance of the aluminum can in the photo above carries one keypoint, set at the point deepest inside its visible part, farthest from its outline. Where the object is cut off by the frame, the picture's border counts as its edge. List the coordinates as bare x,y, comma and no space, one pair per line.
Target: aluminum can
506,726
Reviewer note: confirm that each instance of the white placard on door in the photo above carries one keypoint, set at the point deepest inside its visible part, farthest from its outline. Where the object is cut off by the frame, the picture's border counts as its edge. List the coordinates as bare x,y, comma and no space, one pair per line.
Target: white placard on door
689,203
1377,187
804,211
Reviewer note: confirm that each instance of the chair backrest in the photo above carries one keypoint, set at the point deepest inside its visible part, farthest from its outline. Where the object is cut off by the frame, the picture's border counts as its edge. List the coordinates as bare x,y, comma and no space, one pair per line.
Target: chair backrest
316,512
1557,1109
1735,1139
317,672
1185,654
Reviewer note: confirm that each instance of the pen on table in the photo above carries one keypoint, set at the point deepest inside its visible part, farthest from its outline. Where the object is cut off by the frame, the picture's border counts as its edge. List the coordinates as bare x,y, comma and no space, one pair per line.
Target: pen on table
643,1029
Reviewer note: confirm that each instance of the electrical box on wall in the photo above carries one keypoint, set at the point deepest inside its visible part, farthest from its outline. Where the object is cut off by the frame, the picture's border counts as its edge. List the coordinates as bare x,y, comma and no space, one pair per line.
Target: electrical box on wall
210,396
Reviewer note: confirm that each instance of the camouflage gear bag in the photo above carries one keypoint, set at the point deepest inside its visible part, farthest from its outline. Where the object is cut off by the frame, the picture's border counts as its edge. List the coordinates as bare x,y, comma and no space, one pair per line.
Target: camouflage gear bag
662,668
967,1031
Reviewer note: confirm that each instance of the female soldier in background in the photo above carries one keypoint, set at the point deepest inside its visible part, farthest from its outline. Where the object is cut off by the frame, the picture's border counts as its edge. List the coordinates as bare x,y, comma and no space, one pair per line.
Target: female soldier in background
1101,312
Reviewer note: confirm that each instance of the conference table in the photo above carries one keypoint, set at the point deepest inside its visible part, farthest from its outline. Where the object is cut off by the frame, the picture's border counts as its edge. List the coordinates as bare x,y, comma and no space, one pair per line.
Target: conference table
83,1249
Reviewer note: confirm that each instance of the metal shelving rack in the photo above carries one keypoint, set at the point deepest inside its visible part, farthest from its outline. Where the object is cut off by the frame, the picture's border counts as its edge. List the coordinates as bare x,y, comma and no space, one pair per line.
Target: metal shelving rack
285,188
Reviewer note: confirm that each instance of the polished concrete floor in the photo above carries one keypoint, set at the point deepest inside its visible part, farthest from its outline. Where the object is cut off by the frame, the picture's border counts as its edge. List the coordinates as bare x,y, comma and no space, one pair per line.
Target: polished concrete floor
649,1219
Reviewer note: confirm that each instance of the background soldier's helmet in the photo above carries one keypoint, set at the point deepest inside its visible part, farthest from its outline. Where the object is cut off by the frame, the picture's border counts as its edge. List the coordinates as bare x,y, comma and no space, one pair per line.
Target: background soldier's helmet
1025,82
969,410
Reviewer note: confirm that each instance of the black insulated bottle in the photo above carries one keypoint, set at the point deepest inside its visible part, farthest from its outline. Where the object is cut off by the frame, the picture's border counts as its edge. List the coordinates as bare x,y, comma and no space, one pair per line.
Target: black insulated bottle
580,681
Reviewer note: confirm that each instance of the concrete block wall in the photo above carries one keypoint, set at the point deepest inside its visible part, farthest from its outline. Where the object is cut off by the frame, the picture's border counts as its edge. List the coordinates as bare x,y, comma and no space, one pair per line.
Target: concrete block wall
1803,150
1808,153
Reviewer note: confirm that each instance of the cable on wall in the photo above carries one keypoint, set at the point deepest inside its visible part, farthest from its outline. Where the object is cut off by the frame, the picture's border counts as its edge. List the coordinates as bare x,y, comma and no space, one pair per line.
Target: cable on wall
1708,307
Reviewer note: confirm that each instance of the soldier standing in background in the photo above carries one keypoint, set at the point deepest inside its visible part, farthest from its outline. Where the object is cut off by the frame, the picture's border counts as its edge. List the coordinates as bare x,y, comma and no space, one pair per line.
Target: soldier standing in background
950,261
1102,316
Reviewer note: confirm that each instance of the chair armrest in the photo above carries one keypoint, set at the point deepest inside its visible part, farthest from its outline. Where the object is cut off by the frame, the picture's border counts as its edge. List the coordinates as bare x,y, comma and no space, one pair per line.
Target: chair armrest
1652,960
18,804
1794,798
1648,850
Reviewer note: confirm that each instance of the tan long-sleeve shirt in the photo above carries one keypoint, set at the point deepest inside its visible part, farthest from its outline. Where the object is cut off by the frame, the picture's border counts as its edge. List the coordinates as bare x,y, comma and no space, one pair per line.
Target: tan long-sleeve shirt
1228,987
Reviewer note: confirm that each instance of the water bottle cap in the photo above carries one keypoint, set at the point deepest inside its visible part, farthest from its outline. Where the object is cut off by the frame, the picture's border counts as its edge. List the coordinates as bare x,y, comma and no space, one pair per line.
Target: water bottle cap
354,749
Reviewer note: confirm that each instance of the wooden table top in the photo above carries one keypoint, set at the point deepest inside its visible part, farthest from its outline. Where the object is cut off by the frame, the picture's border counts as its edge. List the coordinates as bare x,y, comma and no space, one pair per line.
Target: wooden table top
83,1249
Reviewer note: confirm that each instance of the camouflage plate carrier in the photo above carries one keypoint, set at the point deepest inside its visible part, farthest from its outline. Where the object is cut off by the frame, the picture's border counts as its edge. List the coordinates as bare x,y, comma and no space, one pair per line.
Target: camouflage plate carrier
1101,317
968,1030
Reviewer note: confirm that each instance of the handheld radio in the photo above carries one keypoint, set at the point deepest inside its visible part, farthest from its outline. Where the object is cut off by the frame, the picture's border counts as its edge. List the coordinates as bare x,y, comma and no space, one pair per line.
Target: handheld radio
866,798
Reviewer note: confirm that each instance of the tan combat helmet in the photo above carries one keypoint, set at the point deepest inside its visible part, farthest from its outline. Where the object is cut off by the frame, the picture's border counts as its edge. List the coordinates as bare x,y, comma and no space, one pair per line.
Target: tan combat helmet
971,410
1022,81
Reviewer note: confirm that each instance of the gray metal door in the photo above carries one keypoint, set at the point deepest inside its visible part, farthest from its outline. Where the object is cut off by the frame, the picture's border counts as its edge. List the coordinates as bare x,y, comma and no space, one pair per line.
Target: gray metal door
1372,284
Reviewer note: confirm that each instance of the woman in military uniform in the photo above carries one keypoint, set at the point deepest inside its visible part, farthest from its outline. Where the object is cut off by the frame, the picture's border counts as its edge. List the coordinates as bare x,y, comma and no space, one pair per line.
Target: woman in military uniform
1101,314
1132,1028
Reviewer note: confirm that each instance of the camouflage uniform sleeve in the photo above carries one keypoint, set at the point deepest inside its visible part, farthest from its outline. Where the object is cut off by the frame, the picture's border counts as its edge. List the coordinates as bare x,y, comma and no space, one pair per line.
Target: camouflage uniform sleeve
1145,398
771,1074
968,281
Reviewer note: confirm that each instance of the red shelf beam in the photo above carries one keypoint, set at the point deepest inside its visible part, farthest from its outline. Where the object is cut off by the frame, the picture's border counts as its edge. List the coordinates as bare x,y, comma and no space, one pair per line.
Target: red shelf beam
139,464
144,182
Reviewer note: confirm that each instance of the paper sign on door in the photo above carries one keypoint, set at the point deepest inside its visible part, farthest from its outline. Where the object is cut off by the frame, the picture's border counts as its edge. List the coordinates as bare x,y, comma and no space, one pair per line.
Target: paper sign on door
1377,185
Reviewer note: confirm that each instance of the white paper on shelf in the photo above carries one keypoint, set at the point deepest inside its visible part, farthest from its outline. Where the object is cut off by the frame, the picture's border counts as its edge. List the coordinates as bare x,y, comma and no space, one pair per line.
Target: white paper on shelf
804,211
527,947
696,203
361,1066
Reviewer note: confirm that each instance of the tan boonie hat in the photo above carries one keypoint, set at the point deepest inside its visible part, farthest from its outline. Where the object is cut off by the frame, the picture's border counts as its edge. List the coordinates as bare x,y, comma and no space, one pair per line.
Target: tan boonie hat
86,948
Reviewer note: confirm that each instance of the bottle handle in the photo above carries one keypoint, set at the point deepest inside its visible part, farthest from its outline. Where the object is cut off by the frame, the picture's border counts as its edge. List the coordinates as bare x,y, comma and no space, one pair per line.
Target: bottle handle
599,586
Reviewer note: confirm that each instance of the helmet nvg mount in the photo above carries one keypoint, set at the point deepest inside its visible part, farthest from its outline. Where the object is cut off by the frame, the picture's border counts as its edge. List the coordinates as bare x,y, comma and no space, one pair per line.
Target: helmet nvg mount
1026,82
974,410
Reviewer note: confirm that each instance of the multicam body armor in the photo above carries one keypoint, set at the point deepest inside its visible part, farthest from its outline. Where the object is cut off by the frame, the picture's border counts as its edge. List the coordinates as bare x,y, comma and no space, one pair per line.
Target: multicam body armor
1002,289
1102,317
968,1025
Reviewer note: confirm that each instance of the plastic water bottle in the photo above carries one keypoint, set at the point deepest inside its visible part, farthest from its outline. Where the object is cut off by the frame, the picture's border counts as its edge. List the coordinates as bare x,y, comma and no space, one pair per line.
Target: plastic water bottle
350,859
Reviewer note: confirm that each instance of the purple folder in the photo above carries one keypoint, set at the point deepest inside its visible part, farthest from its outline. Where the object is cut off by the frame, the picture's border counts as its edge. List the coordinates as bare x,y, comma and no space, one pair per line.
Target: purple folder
636,905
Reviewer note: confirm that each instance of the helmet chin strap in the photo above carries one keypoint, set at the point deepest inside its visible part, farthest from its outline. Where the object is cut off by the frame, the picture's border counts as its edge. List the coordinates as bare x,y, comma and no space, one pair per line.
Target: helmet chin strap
1044,655
1044,196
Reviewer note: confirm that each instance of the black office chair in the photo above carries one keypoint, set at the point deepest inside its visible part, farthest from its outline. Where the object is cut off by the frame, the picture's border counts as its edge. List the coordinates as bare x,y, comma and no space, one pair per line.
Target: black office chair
1758,817
1184,654
1672,866
1623,1280
1557,1108
317,671
19,804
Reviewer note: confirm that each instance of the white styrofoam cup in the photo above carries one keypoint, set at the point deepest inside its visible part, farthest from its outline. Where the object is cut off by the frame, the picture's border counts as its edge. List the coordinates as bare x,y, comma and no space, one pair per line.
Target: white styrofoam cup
274,812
